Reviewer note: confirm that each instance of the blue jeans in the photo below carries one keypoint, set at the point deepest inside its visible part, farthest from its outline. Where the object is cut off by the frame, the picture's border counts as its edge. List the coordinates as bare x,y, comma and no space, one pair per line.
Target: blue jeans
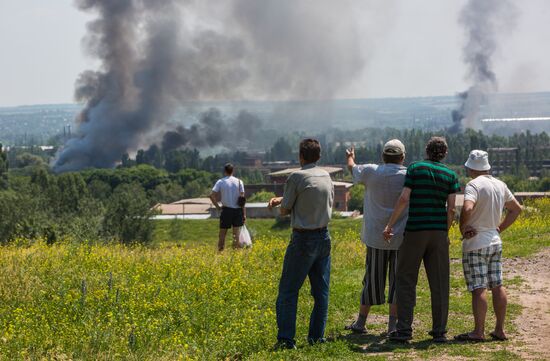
308,254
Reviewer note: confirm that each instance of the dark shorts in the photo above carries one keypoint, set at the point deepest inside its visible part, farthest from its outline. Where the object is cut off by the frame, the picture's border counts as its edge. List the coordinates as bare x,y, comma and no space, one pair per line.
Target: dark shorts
231,217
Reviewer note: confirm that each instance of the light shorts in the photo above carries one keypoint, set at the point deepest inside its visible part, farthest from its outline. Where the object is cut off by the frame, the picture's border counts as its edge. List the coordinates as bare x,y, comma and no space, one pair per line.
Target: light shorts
483,267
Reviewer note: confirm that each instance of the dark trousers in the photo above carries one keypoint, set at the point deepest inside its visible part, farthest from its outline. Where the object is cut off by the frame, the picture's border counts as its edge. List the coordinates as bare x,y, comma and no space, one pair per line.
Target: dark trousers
307,255
432,247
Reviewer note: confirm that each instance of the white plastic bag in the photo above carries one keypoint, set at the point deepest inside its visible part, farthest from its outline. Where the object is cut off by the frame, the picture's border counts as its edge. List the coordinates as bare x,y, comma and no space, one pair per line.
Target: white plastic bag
244,238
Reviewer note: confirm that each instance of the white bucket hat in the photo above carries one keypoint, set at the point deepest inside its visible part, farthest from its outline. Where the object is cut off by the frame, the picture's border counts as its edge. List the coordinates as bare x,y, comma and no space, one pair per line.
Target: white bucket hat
478,160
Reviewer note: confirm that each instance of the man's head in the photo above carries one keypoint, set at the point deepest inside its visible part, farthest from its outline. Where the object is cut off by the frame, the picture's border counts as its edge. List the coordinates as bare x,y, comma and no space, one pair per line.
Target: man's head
394,152
477,163
228,169
310,151
436,149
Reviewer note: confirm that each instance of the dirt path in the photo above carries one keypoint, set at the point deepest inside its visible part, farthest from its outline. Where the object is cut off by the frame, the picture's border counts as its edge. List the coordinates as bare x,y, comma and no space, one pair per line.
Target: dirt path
533,325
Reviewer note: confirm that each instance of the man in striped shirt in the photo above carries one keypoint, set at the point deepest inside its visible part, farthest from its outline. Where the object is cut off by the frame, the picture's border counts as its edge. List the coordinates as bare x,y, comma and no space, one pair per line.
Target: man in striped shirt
429,193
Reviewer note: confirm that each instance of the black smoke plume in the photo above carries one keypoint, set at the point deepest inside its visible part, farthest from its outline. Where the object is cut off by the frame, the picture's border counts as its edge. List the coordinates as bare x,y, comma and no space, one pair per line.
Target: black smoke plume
159,55
483,22
212,130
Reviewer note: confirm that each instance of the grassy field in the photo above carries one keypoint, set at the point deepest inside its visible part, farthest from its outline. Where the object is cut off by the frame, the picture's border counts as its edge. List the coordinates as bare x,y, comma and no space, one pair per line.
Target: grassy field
180,299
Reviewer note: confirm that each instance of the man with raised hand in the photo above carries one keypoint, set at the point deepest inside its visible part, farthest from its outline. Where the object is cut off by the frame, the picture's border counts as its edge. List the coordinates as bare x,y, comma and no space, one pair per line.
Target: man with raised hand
429,194
228,190
308,198
383,185
480,224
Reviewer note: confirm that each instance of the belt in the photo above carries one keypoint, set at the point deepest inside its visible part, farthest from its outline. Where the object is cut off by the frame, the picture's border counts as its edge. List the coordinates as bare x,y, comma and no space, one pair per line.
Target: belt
303,230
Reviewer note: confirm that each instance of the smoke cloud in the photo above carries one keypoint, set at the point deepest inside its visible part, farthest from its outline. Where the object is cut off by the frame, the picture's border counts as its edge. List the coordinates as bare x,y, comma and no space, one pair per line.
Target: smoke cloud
212,129
483,22
157,56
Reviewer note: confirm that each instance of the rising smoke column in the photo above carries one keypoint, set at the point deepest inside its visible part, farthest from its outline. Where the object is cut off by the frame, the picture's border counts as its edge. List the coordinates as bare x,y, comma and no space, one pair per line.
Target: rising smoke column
483,22
157,55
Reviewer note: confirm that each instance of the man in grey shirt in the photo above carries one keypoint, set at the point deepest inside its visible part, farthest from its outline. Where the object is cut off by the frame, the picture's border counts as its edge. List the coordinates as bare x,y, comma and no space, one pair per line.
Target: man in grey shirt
383,185
308,198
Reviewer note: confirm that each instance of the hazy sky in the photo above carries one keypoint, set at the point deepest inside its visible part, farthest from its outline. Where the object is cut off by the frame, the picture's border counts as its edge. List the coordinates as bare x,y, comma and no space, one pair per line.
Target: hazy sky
413,49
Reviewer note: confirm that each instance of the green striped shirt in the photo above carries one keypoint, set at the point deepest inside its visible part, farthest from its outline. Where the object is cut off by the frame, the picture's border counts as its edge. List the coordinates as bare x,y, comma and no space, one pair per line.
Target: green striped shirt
430,184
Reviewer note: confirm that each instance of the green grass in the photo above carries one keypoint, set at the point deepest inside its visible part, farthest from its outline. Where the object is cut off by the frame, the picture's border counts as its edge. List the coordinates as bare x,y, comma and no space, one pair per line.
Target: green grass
182,299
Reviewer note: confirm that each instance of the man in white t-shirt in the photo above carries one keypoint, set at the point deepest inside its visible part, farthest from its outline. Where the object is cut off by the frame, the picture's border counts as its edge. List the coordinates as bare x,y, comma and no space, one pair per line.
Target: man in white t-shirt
480,224
227,190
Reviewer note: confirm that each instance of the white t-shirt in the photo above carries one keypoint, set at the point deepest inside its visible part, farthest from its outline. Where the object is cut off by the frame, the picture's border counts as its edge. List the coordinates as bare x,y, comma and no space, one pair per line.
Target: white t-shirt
489,195
230,189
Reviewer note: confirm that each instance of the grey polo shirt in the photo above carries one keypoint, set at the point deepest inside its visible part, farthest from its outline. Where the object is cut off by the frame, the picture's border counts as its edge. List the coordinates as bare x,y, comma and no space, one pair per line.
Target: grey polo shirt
309,194
383,186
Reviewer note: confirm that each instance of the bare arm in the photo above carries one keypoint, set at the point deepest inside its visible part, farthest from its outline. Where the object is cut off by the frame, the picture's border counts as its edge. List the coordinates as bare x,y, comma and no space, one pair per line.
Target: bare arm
401,204
513,210
465,215
274,202
350,155
451,202
214,198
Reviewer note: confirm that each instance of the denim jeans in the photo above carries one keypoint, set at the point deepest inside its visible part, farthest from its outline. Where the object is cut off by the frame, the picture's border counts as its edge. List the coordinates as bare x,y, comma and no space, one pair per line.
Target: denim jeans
307,255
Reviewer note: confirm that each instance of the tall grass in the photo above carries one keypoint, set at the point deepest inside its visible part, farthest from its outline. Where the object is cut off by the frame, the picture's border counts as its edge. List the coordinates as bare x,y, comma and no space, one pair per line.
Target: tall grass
174,301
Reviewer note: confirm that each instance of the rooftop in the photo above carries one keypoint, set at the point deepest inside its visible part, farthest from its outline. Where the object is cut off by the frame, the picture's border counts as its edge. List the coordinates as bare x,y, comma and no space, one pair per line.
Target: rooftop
330,170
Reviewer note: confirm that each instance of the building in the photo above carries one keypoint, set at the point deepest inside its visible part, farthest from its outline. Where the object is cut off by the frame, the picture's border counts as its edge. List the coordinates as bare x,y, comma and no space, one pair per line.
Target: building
276,184
281,176
194,208
341,195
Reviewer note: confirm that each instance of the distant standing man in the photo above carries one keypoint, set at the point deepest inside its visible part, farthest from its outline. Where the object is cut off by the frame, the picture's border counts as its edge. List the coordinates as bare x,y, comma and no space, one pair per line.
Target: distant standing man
480,224
383,185
308,198
227,190
429,194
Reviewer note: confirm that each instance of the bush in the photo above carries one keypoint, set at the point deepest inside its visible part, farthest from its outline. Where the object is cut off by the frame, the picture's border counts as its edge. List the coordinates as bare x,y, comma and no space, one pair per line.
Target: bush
262,196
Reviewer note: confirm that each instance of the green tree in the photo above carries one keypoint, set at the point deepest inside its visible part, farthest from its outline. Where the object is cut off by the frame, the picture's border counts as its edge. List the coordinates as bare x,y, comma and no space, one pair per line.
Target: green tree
3,168
127,218
281,150
356,198
166,193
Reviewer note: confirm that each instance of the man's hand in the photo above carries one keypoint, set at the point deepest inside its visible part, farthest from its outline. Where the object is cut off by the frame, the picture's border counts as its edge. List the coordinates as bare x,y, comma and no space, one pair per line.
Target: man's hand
388,233
468,232
244,219
350,153
274,202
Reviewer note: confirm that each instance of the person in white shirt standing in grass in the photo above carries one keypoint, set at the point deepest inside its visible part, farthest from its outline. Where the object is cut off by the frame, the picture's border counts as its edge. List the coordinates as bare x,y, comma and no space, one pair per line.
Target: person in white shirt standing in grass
228,190
480,224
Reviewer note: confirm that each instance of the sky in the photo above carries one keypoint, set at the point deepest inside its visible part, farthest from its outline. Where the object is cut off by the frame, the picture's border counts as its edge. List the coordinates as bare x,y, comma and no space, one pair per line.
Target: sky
413,48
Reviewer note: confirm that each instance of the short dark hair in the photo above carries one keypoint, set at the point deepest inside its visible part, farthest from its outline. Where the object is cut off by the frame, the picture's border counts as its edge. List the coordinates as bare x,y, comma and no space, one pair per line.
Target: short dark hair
228,168
392,158
436,149
310,150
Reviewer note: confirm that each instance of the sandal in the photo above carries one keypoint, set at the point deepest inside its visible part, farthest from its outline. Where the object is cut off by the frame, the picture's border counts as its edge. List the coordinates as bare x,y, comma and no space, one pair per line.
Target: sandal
496,337
356,329
466,337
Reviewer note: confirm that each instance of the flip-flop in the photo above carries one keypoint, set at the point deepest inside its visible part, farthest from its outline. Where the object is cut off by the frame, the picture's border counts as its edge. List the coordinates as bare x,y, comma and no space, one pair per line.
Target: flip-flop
496,337
465,337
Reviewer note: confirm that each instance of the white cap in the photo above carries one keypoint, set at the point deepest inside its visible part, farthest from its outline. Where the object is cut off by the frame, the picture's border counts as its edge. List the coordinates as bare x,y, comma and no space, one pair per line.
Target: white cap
478,160
394,147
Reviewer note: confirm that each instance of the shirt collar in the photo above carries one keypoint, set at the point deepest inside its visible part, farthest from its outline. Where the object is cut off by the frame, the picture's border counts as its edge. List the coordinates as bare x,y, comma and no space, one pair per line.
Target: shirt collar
309,166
